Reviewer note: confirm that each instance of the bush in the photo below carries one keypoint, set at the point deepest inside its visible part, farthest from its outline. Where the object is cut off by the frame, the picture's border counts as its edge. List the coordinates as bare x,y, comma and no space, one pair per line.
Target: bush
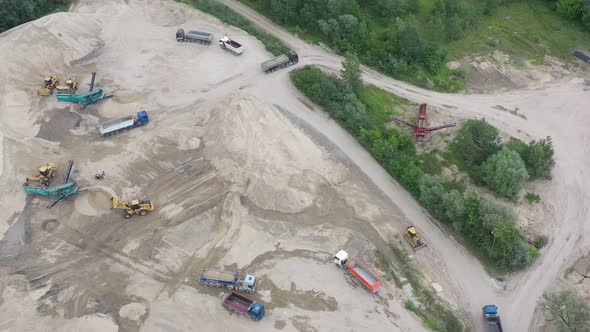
474,143
505,173
16,12
539,158
532,198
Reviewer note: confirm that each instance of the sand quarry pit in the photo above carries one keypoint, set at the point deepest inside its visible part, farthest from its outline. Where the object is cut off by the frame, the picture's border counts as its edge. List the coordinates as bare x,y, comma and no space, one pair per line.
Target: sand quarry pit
236,184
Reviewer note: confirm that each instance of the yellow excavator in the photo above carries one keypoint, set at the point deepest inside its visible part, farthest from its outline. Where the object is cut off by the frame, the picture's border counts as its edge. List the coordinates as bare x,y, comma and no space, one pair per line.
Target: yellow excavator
46,173
70,86
136,206
49,84
414,238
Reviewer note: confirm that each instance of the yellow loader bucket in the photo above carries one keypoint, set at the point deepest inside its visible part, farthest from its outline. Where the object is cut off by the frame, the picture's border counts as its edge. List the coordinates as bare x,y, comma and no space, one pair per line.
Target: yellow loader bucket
44,92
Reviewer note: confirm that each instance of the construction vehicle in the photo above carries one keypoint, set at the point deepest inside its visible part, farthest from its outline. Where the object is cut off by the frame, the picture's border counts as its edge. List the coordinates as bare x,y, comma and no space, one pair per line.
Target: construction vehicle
420,129
231,46
414,239
46,174
491,318
59,193
84,99
49,84
70,86
359,270
229,279
194,36
117,125
136,206
240,304
100,176
280,62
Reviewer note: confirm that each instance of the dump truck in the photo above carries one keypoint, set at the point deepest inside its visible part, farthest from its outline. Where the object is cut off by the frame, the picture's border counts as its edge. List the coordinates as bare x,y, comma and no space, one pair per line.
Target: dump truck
238,303
229,279
280,62
491,318
112,127
231,45
359,270
194,36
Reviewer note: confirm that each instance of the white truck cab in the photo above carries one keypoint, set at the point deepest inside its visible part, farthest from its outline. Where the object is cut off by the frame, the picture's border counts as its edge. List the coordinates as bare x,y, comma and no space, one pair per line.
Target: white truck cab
249,283
341,258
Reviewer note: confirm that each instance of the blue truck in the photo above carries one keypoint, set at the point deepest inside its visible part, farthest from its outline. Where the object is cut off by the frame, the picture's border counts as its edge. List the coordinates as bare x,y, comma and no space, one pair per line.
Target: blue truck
240,304
229,279
491,318
112,127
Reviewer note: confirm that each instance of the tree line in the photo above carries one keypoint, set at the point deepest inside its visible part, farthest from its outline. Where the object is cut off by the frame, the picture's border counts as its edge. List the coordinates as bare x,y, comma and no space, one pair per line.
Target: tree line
16,12
488,226
575,10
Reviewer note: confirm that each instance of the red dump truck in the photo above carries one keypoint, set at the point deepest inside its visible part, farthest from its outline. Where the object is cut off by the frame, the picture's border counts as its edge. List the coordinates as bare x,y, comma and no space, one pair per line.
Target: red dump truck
359,270
240,304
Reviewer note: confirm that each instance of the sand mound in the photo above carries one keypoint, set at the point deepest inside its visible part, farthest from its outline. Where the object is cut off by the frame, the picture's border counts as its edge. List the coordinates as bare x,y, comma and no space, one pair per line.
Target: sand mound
95,202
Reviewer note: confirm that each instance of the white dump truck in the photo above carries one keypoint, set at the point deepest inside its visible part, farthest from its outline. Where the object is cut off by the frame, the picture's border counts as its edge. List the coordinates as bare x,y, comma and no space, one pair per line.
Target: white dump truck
114,126
194,36
231,46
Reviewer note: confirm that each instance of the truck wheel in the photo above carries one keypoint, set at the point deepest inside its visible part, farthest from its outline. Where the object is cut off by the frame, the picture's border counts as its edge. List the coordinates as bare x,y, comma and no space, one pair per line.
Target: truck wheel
143,212
127,216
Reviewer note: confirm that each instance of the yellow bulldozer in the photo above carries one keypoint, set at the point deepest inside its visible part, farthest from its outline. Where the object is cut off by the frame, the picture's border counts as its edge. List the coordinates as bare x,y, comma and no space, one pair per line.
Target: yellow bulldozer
46,173
70,86
49,84
136,206
414,238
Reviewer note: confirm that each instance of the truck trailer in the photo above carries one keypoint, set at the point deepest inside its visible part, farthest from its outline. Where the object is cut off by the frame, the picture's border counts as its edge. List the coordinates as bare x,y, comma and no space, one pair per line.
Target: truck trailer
114,126
194,36
243,305
280,62
231,46
229,279
359,270
491,318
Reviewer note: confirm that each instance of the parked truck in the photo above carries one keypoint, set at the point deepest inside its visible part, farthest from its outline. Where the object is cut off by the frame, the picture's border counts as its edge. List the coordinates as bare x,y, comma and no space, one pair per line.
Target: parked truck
491,318
280,62
229,279
238,303
359,270
114,126
231,45
194,36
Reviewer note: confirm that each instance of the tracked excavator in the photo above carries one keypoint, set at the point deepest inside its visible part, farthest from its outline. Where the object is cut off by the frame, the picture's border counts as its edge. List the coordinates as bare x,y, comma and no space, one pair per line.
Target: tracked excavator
136,206
414,239
49,84
46,174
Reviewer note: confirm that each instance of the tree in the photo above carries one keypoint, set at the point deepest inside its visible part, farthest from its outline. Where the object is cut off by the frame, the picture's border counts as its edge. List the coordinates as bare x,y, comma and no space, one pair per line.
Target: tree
410,43
539,158
454,204
491,213
432,192
571,9
351,72
505,173
569,310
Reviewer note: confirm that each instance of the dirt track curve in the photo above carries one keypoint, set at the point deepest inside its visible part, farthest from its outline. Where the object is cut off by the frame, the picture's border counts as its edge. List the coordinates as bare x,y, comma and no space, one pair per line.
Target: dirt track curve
559,110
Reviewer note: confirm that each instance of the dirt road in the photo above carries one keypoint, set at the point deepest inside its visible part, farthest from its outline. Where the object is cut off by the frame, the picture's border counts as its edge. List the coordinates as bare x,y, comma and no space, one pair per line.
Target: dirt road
559,110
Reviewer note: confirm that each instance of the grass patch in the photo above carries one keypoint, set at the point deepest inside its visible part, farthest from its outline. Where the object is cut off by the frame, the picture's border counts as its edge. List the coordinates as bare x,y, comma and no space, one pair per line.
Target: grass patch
527,30
532,198
430,163
382,104
540,241
227,15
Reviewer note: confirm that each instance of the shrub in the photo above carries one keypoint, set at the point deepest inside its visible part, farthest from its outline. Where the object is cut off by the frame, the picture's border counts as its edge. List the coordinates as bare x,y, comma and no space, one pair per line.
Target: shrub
505,173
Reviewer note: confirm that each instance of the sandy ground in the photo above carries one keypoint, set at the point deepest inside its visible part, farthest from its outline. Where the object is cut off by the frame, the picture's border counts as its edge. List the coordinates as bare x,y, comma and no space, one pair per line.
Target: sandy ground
237,179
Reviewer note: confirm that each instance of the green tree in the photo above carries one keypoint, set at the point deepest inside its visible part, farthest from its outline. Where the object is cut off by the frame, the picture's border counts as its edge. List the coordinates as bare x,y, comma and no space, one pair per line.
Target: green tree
569,310
571,9
410,43
432,192
454,205
351,72
539,158
505,173
491,213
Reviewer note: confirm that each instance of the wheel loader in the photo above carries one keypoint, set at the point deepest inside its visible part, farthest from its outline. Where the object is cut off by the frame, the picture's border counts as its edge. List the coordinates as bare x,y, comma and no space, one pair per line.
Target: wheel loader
46,173
414,238
49,84
70,86
136,206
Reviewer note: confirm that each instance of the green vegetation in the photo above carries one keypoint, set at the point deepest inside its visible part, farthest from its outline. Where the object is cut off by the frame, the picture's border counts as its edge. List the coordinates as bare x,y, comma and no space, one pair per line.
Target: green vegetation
570,311
227,15
532,198
16,12
504,168
574,10
488,227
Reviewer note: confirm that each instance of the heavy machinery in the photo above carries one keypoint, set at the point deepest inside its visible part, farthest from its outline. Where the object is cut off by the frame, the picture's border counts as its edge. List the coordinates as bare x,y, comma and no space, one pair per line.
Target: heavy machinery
59,193
414,238
231,46
240,304
46,173
136,206
115,126
491,318
229,279
420,129
358,270
49,84
280,62
194,36
84,99
70,86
